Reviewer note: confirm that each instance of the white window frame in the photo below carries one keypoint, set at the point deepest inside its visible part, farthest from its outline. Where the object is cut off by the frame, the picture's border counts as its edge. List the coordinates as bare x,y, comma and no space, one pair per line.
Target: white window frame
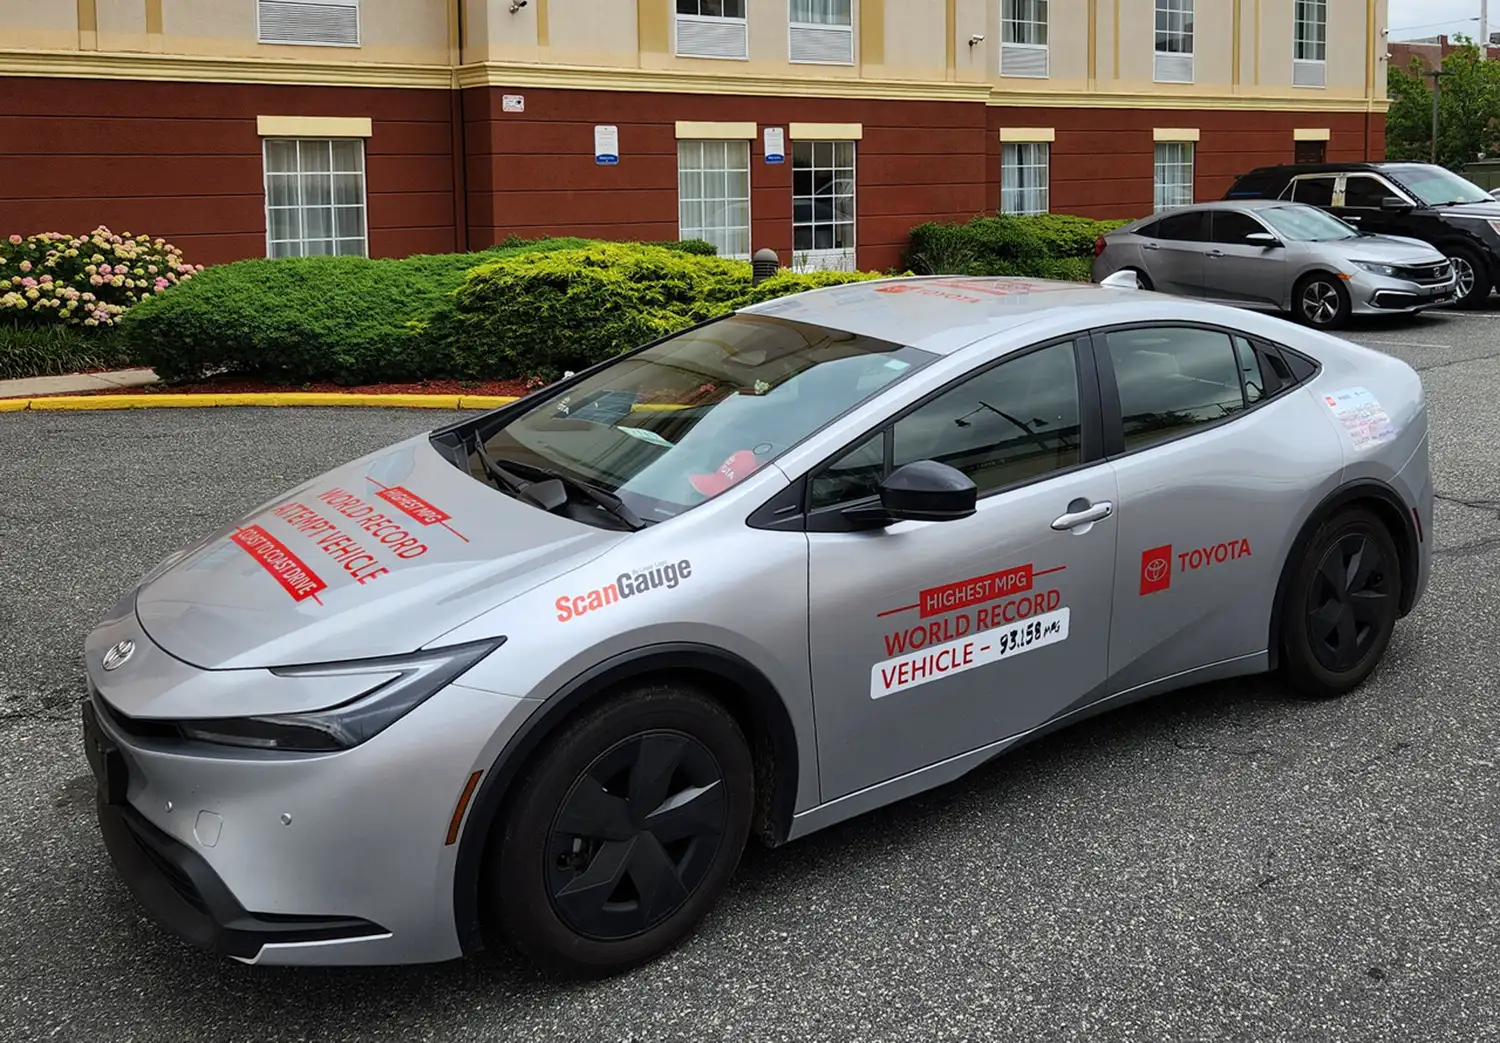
359,24
363,206
1016,156
689,232
794,27
1309,72
743,22
1167,156
1019,18
837,258
1167,67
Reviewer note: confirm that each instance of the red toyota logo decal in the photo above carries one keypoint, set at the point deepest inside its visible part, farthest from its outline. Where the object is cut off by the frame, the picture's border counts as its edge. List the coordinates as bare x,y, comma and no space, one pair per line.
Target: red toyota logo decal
1156,569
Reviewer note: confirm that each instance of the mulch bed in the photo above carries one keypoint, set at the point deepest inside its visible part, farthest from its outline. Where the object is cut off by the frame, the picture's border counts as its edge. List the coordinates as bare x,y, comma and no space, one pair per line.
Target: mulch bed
241,386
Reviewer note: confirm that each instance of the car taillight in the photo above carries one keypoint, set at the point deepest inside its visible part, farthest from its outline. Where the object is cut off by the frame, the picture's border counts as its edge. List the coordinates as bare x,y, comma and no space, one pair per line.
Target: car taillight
1098,245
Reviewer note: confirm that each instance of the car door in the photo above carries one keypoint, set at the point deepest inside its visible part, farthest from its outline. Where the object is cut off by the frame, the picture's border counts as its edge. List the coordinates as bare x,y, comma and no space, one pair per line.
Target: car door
932,639
1240,270
1359,203
1173,250
1212,478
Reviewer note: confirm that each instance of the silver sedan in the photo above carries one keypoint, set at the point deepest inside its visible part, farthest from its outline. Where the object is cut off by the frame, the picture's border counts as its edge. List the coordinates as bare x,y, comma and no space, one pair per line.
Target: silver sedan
1277,256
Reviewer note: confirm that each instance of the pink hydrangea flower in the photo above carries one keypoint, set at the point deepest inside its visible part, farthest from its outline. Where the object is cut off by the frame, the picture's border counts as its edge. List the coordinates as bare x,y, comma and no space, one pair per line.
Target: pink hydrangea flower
15,240
25,266
162,284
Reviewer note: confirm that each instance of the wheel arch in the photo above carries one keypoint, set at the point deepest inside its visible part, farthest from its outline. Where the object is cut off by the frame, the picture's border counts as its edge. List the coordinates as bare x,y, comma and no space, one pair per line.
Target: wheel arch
735,682
1393,512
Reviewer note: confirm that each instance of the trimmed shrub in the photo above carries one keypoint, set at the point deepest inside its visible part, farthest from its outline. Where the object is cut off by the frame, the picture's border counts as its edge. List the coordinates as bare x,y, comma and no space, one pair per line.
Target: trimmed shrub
1047,246
543,314
56,349
85,280
350,320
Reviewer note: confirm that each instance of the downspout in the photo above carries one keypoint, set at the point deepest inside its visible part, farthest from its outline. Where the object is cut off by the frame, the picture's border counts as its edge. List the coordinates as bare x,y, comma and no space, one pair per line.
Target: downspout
458,131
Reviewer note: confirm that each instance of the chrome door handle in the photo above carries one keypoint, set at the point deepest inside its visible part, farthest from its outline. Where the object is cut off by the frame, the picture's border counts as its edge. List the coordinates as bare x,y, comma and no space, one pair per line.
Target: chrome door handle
1150,246
1216,253
1355,218
1093,513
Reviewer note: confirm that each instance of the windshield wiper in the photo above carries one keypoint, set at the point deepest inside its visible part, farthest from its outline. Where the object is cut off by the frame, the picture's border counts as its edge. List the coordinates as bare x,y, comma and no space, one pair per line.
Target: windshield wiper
608,501
548,495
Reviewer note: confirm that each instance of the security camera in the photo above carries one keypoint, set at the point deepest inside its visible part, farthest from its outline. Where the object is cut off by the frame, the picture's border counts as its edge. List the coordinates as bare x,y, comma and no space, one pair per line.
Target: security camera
976,39
516,5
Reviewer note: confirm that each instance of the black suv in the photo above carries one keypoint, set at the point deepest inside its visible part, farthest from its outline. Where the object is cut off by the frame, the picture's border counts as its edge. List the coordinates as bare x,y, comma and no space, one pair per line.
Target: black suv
1415,200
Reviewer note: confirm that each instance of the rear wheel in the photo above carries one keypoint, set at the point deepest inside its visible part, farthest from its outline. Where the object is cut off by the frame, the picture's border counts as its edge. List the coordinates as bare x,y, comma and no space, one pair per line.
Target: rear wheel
1142,279
623,833
1341,605
1472,277
1320,301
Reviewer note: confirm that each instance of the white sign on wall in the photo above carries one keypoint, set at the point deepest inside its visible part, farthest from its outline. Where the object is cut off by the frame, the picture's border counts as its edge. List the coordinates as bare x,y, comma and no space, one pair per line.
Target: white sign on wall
513,103
606,145
775,145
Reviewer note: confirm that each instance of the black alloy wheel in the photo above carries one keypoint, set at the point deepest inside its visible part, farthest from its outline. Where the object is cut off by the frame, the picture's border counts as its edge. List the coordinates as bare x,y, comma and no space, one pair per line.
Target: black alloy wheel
636,835
1351,598
1341,604
621,832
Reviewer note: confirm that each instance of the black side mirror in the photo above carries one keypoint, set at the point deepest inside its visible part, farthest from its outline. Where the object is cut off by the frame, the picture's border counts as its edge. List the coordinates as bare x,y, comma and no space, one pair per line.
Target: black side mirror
1395,204
928,491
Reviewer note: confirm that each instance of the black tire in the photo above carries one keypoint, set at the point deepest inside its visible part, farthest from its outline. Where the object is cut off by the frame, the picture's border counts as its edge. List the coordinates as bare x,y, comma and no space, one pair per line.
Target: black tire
1341,605
1469,265
1319,300
580,808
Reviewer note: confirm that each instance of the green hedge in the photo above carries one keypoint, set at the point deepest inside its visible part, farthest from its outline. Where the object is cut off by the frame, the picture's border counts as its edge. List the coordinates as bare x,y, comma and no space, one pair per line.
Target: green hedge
345,319
520,310
543,314
45,351
1047,246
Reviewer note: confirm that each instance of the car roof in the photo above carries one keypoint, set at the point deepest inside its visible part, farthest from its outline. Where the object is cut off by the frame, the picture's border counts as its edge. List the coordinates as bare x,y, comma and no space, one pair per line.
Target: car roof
944,314
1294,169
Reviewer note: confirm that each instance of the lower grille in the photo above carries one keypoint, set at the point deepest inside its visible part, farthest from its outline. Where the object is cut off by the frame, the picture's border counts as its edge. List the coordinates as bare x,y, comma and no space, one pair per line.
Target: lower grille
180,881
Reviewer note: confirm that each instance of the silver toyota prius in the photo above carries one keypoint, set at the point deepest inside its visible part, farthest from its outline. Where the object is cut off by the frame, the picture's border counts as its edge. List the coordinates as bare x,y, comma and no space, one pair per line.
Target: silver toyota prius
1278,256
538,676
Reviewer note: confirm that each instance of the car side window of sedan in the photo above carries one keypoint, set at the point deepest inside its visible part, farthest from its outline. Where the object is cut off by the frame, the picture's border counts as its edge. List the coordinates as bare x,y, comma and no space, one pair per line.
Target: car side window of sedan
1172,379
1014,422
1234,228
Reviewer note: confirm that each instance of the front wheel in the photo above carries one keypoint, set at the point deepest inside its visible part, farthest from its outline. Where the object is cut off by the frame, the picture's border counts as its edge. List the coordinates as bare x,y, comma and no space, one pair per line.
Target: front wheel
1341,606
623,833
1471,276
1320,301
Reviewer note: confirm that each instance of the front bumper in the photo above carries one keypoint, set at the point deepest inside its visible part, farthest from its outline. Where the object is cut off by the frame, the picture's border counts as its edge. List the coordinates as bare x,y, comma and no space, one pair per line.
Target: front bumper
1372,294
282,858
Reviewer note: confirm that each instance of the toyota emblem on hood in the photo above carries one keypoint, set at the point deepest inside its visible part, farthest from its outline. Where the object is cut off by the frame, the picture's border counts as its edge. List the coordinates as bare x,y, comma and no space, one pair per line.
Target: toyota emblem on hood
119,655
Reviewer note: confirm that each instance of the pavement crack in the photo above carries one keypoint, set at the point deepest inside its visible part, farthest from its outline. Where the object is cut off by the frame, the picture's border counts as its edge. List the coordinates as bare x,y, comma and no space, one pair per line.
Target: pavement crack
1478,505
1453,362
1467,550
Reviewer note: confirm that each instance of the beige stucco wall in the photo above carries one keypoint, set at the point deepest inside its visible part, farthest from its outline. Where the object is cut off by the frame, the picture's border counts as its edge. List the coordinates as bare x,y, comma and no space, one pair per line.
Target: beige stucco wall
402,31
28,24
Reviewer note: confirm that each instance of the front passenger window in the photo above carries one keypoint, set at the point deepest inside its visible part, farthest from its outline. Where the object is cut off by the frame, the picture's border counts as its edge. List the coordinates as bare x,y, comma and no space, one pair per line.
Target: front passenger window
1364,193
1173,378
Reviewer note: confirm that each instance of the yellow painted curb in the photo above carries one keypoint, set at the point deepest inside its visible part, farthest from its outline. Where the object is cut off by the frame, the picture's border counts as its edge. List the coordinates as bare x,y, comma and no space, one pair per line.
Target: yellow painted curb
278,398
274,398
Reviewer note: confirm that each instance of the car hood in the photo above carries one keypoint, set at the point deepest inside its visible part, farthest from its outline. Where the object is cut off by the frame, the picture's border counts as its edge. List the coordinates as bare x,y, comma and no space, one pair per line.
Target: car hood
1389,249
378,557
1478,211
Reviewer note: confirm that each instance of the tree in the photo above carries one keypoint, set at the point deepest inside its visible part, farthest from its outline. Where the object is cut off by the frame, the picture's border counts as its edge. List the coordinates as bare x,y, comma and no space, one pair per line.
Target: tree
1469,102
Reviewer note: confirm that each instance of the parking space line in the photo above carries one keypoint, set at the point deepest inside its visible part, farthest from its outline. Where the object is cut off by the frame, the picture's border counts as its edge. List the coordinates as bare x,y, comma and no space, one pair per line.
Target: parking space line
1405,343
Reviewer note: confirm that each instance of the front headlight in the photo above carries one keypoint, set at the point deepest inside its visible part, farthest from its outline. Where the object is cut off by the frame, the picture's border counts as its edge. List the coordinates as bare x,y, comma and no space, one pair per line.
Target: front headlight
1377,267
1494,226
399,685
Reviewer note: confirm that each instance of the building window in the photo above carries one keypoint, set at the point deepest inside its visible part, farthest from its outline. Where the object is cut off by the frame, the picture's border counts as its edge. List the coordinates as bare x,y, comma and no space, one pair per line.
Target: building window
315,197
1023,38
713,193
1174,174
1174,41
821,32
1023,177
712,29
319,23
823,205
1310,43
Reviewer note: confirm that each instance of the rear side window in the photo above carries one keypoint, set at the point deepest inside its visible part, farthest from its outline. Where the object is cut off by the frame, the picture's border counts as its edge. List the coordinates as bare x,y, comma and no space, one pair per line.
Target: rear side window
1172,379
1314,191
1187,227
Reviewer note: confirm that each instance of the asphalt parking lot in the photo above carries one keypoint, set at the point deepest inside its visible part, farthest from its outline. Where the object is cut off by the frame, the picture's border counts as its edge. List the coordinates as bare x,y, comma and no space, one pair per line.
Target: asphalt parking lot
1228,863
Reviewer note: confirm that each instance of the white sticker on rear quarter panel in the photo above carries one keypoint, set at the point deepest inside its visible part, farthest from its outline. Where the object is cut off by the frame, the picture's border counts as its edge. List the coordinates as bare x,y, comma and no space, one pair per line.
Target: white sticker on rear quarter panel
966,653
1361,415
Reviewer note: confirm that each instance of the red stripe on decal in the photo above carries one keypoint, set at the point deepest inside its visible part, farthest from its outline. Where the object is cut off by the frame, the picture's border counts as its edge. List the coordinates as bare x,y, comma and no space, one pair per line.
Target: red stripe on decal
285,567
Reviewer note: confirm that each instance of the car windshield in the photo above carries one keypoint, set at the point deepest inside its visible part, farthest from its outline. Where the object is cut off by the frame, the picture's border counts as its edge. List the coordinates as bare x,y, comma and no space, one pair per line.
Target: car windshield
1437,186
1306,224
669,427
